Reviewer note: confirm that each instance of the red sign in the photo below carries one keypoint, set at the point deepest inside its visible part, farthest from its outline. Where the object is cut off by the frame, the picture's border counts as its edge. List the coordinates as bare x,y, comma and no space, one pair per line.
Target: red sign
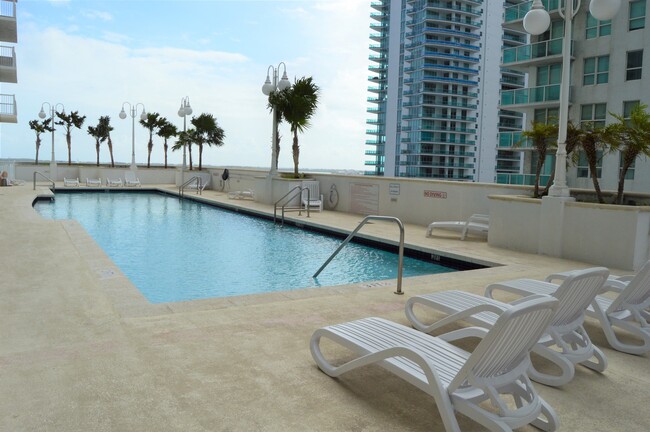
435,194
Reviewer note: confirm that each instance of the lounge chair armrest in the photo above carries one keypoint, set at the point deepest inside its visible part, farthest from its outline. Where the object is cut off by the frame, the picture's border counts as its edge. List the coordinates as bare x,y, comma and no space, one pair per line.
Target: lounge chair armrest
483,218
528,298
464,333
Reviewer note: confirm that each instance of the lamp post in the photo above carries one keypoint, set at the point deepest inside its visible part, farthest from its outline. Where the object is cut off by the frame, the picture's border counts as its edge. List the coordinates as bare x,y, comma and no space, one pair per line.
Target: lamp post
42,115
268,88
143,116
184,111
536,22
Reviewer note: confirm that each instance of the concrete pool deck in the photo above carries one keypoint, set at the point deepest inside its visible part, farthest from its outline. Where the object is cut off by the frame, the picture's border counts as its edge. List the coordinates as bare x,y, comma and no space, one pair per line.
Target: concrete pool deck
82,350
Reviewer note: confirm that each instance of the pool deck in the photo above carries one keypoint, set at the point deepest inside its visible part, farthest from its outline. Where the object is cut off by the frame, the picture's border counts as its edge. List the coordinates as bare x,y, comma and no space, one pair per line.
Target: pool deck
82,350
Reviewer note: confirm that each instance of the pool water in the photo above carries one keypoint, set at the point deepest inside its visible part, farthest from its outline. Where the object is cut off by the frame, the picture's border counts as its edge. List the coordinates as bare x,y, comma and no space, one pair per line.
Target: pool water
175,250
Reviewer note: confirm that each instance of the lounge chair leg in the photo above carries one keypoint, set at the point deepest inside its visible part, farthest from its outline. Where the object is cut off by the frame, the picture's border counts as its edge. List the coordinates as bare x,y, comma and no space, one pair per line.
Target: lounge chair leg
568,369
601,361
550,422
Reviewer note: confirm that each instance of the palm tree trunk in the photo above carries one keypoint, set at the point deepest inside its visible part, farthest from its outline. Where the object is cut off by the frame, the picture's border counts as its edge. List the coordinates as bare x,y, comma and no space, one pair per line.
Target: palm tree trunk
296,153
38,146
594,176
189,150
68,139
538,171
97,149
200,156
551,179
110,150
628,159
149,148
165,147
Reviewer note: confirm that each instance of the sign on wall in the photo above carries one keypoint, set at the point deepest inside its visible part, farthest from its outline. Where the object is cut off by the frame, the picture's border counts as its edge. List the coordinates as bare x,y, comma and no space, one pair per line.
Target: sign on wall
435,194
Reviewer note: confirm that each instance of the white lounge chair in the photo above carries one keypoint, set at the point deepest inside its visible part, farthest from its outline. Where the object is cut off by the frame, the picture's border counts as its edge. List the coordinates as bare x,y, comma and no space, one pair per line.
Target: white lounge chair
70,182
113,182
629,310
477,224
565,343
130,179
458,381
243,194
311,196
94,182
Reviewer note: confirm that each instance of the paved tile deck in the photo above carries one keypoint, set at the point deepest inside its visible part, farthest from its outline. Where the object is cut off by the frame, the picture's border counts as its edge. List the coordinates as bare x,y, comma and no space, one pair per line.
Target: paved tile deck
82,350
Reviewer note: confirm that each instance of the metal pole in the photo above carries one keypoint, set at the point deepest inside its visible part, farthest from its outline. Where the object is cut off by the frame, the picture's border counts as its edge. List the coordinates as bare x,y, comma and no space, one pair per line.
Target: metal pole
184,158
559,187
274,132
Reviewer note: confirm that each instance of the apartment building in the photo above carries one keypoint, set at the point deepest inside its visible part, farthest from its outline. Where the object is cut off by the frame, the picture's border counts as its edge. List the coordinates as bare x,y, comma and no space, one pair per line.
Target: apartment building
609,73
434,90
8,74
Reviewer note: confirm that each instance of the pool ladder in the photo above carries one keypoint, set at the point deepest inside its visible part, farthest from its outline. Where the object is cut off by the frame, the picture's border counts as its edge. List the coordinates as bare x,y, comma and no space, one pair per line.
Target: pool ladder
297,190
45,177
400,262
199,188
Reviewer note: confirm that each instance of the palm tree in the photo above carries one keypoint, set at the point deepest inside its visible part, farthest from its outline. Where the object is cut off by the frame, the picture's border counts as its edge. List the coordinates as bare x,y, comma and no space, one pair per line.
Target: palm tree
105,129
541,136
73,120
97,133
151,122
40,127
166,131
207,132
632,137
296,104
593,140
186,138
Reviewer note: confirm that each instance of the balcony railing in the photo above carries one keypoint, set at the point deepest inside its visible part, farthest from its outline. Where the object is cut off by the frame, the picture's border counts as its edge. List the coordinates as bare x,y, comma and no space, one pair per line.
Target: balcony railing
522,179
537,50
518,11
513,140
533,95
8,110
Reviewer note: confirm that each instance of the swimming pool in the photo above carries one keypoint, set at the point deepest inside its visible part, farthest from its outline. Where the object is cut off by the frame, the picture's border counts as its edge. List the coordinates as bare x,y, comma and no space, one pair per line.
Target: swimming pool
176,250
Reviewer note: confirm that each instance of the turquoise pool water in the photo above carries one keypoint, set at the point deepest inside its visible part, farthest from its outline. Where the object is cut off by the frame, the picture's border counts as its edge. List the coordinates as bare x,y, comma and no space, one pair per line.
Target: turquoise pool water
176,250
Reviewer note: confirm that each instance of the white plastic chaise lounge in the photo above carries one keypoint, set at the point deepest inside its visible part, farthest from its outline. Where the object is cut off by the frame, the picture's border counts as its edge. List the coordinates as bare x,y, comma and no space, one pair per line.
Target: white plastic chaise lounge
68,182
130,180
565,343
458,380
311,197
113,182
629,310
93,182
242,194
477,224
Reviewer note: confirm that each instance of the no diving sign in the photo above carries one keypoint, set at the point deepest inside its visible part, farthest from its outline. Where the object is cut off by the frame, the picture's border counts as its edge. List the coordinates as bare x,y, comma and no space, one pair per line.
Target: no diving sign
435,194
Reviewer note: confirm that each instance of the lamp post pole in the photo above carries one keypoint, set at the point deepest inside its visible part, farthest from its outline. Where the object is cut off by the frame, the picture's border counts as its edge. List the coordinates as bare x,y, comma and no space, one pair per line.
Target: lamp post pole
536,22
184,111
42,115
143,116
268,88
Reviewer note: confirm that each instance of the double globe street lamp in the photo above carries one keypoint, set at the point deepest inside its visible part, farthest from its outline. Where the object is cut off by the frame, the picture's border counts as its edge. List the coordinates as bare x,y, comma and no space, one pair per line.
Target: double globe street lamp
536,22
184,111
268,88
143,116
42,115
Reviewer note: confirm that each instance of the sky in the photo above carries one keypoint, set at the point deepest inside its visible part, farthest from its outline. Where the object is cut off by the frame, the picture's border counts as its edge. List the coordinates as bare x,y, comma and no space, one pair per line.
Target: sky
93,56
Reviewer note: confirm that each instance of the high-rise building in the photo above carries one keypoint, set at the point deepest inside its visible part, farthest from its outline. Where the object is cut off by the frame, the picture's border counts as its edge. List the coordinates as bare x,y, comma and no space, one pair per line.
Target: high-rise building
609,73
8,35
435,90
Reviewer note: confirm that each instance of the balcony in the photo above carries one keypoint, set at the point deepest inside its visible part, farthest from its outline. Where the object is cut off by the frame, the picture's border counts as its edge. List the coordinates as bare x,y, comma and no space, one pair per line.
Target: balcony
513,141
8,112
522,179
516,13
543,96
8,64
8,27
536,54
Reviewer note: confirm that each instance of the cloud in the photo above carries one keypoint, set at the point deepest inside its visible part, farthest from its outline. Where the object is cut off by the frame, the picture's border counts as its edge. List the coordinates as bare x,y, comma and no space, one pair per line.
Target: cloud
94,14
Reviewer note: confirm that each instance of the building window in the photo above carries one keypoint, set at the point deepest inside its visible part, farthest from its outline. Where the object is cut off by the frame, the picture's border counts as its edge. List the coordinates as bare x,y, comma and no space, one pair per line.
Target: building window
550,74
634,65
593,114
637,15
583,165
597,28
596,70
546,115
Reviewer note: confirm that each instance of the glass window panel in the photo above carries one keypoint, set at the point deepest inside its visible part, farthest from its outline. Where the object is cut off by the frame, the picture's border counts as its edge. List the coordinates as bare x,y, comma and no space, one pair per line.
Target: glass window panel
600,111
590,65
603,63
602,78
585,112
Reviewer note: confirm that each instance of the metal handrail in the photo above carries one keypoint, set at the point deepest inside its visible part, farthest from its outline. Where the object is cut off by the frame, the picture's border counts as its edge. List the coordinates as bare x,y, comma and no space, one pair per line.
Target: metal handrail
196,179
45,177
297,188
400,261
